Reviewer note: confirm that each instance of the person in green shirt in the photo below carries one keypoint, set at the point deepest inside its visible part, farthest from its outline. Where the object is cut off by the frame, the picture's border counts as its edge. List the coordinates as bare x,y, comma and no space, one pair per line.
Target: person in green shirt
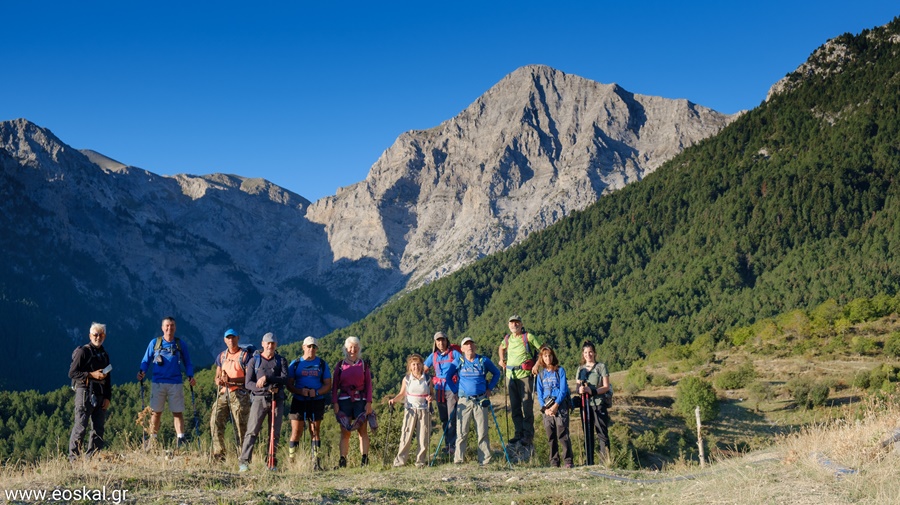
518,353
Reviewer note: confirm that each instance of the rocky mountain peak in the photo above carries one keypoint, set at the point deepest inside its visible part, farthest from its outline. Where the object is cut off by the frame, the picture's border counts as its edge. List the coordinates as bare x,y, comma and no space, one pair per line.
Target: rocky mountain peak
533,148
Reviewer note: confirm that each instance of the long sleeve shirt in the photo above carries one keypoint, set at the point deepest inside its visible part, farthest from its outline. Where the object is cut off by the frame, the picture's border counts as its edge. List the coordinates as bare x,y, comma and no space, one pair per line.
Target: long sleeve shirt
167,369
473,375
87,359
552,383
351,380
274,369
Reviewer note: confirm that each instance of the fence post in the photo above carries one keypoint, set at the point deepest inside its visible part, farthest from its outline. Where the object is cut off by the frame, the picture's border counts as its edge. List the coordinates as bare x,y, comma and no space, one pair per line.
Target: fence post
700,438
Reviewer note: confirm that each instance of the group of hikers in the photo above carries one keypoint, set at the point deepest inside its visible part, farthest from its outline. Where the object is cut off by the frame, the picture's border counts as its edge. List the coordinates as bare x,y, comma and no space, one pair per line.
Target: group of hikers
251,387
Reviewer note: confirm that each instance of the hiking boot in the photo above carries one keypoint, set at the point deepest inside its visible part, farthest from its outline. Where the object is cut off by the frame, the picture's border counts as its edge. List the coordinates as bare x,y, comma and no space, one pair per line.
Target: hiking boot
513,441
180,442
365,460
291,452
243,468
343,462
218,458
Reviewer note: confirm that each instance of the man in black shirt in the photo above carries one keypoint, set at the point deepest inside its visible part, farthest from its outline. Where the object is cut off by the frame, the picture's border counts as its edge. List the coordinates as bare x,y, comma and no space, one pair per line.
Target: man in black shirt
91,381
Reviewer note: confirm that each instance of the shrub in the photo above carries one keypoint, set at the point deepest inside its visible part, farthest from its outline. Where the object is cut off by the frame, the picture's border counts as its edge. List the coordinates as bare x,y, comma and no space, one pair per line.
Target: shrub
636,380
807,392
760,391
892,344
736,379
863,345
692,392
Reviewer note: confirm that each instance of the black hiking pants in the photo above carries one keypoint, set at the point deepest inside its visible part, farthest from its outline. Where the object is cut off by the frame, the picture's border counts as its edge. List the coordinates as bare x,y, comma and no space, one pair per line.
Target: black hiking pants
86,412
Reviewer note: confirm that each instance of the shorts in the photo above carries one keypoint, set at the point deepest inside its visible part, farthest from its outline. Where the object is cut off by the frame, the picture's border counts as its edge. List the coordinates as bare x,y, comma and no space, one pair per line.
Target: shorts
352,409
307,410
174,393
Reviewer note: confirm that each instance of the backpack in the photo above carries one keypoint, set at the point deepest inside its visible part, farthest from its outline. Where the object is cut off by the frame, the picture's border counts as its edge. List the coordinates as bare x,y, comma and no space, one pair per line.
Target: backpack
244,358
567,400
336,373
75,351
528,364
158,347
292,370
605,398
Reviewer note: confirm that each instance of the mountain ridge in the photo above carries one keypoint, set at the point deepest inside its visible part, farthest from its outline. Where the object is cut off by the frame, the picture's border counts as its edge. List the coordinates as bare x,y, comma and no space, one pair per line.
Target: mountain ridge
128,246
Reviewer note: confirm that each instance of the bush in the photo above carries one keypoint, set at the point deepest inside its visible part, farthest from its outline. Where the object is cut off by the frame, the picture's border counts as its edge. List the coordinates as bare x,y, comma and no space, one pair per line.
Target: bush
892,344
807,392
760,391
735,379
863,345
692,392
636,380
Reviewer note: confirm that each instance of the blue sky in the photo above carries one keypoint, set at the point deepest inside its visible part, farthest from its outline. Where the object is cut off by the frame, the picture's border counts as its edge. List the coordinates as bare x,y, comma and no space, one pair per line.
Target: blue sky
309,95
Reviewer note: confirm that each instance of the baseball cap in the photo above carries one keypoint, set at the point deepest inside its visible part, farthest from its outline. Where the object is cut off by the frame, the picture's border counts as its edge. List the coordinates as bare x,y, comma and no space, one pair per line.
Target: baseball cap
231,333
439,335
466,341
310,341
515,317
269,337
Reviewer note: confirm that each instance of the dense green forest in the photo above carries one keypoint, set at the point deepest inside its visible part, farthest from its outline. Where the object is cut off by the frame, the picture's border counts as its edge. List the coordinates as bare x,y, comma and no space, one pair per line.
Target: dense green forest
793,204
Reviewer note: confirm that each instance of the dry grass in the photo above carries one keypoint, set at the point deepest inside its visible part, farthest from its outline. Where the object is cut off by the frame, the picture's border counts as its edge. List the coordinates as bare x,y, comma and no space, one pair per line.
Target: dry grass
809,466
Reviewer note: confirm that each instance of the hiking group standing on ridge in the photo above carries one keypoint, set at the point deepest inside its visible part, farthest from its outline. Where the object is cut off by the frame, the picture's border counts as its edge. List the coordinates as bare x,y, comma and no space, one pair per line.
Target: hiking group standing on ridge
251,388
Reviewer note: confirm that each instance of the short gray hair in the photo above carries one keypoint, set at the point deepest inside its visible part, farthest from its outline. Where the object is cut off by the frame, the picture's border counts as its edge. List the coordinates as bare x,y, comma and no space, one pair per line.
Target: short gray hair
100,327
349,341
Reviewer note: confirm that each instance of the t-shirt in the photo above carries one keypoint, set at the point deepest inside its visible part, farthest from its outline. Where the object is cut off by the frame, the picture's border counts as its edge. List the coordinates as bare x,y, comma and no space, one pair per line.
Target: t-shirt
308,374
516,355
473,375
417,391
230,364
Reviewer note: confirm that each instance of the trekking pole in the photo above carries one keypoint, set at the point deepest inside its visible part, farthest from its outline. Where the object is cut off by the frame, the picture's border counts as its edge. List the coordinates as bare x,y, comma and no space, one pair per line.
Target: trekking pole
497,424
196,418
270,462
143,406
312,441
506,396
384,451
444,435
588,429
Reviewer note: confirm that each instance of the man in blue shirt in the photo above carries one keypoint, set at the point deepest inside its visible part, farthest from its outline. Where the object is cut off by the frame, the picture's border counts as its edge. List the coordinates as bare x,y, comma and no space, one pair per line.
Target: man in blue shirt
309,379
473,388
167,353
442,360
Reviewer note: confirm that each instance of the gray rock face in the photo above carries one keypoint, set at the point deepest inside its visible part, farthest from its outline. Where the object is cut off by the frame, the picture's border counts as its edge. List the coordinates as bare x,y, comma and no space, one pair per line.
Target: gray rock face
535,147
89,238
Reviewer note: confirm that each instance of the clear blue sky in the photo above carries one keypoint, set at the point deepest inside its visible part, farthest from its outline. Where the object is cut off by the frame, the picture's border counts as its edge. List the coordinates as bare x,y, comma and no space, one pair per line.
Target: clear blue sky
309,95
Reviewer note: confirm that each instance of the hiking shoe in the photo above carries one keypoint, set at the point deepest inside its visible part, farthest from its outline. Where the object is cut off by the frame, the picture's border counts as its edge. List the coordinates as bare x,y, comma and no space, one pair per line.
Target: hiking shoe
180,442
513,441
243,468
570,465
343,462
291,452
365,460
318,467
218,458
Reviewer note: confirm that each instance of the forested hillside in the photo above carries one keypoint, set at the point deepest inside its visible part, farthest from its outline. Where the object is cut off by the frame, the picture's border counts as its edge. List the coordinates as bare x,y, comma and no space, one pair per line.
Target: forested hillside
794,203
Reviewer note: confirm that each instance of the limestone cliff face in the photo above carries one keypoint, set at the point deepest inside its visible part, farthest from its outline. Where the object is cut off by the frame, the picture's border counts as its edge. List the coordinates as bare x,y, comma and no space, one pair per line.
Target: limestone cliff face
532,149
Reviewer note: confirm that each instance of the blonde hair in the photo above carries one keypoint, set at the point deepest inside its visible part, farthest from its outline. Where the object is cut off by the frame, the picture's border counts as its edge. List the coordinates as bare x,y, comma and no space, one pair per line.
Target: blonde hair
409,361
